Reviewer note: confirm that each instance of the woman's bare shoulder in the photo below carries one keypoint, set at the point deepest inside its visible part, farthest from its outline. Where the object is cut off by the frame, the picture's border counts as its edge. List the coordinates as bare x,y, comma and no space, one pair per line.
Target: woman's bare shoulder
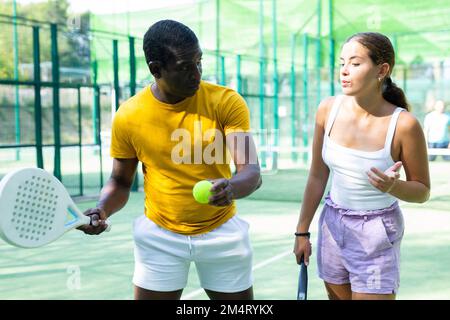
407,122
324,108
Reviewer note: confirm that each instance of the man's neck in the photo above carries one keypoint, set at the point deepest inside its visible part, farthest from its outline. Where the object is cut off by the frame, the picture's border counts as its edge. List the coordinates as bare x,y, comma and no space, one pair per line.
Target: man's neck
164,96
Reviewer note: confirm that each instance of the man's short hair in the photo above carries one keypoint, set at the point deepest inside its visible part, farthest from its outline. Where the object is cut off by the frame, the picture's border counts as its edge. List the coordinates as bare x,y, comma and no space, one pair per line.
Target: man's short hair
164,38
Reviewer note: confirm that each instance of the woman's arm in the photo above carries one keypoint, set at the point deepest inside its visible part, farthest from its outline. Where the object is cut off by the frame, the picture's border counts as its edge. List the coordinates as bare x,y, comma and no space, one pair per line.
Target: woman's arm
316,183
318,173
414,157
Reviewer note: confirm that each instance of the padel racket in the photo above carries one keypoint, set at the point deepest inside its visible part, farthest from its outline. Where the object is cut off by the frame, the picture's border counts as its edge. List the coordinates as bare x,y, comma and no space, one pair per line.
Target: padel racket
302,281
36,209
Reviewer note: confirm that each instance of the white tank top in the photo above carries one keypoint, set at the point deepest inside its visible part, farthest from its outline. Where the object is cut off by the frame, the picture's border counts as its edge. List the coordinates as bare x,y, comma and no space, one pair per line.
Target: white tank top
350,187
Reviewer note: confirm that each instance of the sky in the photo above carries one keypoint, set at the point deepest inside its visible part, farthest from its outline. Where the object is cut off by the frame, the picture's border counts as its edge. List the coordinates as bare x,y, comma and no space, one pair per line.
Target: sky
116,6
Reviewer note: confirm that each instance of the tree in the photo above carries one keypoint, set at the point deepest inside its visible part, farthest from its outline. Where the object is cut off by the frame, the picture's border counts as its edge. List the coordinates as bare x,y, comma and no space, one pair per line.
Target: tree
73,44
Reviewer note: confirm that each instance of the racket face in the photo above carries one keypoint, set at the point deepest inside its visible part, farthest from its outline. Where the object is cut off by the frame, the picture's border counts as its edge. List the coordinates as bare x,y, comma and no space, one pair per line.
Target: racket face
35,208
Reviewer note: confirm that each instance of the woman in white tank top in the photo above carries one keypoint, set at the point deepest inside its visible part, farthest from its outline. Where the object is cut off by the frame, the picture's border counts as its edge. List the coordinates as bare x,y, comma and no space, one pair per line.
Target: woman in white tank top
362,139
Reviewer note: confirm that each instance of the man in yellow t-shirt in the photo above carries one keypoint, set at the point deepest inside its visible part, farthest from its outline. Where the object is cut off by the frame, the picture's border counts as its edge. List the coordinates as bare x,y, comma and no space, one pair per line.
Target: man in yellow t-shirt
183,130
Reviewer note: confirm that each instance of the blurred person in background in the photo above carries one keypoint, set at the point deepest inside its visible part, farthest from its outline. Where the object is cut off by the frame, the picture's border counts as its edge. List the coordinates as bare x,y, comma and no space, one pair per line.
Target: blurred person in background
436,128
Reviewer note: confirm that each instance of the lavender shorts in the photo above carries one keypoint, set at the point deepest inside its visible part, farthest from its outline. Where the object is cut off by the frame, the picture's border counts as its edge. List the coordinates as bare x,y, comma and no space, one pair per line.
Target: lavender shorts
360,247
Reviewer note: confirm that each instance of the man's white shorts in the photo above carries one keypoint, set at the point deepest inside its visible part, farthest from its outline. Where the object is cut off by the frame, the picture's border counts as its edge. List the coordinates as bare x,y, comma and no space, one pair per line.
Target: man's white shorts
223,257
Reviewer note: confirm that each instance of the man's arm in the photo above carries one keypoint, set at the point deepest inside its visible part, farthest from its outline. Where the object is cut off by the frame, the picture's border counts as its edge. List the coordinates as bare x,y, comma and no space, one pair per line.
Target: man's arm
114,194
248,177
243,151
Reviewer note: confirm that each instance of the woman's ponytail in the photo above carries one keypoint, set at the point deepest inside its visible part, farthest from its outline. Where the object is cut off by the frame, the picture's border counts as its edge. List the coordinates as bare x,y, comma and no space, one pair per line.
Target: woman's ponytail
394,94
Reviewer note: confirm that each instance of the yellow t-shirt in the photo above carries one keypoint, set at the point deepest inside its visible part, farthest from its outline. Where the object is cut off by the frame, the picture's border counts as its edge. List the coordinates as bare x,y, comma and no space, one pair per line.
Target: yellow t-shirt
179,145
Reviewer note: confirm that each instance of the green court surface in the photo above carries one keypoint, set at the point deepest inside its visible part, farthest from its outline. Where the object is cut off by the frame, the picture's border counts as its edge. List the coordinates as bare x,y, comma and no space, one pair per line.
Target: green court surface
78,266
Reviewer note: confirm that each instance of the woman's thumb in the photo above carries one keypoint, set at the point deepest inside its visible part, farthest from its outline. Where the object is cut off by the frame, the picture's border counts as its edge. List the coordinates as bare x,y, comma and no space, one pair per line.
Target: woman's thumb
397,166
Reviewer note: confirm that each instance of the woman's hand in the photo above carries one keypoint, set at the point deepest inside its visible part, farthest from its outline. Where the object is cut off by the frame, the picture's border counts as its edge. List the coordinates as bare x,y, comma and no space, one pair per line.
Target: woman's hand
385,181
302,248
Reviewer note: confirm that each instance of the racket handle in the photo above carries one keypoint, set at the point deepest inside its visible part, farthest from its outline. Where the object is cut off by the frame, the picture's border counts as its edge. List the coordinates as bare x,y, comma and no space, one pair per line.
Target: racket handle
108,223
108,228
302,281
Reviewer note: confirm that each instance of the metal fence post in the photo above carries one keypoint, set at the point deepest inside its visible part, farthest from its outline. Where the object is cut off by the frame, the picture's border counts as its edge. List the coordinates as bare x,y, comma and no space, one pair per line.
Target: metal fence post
56,106
37,98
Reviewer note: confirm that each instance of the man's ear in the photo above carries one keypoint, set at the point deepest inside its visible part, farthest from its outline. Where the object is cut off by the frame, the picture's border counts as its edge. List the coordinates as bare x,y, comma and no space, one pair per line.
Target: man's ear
155,68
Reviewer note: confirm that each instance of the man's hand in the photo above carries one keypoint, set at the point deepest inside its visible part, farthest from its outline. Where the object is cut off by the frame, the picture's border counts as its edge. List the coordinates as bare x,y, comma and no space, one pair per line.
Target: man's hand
98,221
222,193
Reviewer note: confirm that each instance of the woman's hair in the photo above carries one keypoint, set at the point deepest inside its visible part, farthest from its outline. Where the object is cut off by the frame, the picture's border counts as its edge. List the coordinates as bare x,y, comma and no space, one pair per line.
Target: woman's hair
381,51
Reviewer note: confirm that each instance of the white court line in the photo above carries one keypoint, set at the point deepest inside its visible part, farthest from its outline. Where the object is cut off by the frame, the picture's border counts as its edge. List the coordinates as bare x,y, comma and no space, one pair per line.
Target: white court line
256,267
277,257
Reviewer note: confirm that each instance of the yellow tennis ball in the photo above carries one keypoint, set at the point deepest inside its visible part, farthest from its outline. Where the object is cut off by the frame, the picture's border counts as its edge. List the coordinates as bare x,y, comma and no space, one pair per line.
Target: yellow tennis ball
201,191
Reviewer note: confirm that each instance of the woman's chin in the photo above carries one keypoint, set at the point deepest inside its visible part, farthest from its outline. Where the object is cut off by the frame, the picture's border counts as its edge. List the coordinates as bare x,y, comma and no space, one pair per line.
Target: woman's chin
349,91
